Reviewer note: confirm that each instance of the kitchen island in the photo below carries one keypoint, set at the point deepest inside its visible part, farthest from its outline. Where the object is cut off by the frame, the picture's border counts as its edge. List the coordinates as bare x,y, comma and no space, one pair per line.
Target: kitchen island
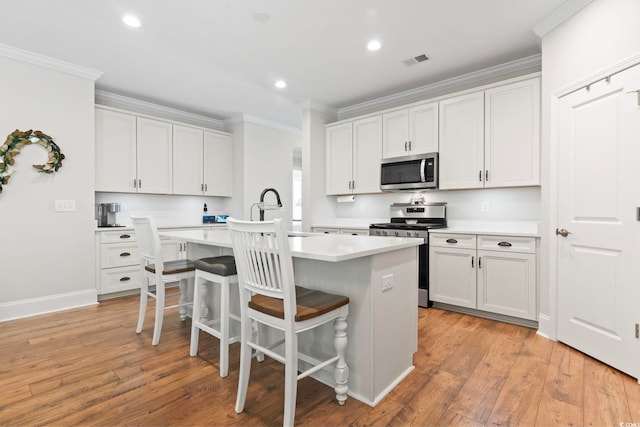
380,277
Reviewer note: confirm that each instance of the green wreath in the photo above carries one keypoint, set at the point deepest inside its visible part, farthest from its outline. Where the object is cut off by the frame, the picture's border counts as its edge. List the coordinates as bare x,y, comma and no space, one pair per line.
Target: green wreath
15,141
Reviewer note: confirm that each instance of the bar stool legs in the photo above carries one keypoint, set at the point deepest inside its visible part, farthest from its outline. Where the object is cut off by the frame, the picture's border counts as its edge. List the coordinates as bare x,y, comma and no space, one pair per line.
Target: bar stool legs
205,279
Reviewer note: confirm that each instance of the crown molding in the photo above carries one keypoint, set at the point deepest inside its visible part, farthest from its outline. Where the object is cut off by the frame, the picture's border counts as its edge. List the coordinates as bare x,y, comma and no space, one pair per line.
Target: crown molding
521,66
143,107
317,106
48,62
558,16
248,118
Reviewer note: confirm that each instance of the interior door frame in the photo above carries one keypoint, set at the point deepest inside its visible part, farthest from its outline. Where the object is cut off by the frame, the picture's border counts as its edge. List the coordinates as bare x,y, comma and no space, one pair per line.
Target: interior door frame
548,322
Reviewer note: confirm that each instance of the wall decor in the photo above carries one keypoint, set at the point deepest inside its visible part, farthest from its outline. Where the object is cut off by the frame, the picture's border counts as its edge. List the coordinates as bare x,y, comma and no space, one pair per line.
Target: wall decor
18,139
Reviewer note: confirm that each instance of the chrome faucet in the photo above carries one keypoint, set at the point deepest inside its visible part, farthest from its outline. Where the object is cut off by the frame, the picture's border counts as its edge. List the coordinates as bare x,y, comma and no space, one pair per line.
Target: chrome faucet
263,207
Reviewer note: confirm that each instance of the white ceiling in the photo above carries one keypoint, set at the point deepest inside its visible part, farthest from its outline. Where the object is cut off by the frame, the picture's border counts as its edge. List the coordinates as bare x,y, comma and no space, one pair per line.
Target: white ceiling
212,57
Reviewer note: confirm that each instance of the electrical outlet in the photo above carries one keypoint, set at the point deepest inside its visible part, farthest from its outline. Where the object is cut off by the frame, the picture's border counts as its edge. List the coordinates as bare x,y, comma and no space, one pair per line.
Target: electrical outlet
484,206
65,206
387,282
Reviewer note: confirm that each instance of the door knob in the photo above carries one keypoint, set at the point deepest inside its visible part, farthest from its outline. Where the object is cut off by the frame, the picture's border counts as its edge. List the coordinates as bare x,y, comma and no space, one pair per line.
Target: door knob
562,232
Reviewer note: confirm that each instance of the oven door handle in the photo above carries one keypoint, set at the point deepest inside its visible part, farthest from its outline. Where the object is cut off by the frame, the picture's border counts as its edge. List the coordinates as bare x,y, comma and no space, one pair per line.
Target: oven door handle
423,167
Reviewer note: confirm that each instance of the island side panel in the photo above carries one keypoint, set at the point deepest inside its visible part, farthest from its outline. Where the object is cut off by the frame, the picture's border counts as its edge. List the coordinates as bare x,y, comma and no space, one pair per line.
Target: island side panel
394,317
350,278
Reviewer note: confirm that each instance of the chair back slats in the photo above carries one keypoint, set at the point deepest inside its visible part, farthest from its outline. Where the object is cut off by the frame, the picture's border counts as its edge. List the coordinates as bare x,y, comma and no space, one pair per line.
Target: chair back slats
263,259
148,241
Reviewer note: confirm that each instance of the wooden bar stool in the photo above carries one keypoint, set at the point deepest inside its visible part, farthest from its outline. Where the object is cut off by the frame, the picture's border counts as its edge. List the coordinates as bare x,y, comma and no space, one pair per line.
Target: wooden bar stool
269,296
213,271
159,272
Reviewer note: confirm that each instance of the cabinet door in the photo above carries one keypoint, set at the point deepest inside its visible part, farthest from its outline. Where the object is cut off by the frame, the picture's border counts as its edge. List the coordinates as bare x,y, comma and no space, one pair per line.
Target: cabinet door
115,151
187,160
339,158
171,250
461,133
154,156
512,134
423,129
507,283
452,276
367,153
218,164
395,134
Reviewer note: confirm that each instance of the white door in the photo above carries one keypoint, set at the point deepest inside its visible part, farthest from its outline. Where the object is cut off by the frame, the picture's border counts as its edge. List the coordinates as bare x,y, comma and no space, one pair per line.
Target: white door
461,133
187,160
367,153
154,156
599,196
218,164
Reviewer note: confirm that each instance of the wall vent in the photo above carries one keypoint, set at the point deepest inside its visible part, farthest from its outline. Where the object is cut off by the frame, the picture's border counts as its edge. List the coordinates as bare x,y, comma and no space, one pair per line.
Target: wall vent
416,60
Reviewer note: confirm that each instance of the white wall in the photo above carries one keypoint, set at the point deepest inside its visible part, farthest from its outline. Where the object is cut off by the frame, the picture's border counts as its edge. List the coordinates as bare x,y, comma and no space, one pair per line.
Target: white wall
167,210
512,204
603,34
46,254
263,158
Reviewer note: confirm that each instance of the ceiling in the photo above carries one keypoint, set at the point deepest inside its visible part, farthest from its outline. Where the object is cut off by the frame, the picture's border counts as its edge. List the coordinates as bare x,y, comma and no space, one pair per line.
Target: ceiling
219,58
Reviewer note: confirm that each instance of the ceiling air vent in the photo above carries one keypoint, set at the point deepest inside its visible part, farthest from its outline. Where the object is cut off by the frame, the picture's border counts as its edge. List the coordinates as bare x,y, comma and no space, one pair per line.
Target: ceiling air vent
415,60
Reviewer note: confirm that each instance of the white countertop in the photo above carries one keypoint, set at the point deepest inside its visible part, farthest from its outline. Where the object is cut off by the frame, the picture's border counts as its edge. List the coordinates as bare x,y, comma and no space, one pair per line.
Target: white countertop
354,223
502,228
322,247
167,227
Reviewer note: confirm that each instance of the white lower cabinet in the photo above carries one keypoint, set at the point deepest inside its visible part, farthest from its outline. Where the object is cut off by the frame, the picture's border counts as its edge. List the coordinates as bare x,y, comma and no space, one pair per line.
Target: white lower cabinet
351,231
118,260
496,274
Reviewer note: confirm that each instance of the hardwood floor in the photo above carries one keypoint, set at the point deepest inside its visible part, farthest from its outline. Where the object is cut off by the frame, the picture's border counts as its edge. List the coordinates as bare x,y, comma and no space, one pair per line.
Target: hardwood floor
87,366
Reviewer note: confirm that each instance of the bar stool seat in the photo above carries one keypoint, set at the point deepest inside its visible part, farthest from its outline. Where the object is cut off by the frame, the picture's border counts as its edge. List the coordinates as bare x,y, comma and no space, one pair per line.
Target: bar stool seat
212,271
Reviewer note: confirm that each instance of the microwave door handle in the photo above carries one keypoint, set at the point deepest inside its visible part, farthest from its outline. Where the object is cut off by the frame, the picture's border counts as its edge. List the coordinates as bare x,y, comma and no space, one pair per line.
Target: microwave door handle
422,169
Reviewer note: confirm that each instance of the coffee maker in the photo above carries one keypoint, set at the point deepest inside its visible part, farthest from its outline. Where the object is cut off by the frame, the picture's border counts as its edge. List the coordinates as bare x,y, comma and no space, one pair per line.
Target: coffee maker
106,214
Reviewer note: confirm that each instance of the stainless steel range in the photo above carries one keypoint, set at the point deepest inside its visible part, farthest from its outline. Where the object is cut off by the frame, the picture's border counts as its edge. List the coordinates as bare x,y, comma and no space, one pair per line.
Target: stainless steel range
415,220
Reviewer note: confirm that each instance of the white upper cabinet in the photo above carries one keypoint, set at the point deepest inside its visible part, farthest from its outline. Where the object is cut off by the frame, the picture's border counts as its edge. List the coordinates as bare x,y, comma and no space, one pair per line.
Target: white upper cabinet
353,154
410,131
154,156
512,134
218,164
491,138
115,151
144,155
339,158
462,141
187,160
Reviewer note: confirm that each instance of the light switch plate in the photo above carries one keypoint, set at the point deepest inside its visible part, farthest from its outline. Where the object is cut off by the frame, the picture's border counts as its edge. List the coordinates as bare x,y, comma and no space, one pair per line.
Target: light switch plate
65,206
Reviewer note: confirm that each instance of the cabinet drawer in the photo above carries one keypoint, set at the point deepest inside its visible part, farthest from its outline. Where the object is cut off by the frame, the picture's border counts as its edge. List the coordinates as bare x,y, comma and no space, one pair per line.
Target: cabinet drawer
117,236
119,255
460,241
120,279
326,230
507,244
354,231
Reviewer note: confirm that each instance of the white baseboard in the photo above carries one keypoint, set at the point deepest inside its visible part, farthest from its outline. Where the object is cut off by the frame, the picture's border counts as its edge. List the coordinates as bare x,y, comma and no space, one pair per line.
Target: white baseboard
49,304
546,328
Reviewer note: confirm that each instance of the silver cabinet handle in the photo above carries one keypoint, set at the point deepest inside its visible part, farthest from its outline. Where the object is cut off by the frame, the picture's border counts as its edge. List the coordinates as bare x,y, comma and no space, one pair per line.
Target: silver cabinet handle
480,176
486,176
405,146
409,145
205,187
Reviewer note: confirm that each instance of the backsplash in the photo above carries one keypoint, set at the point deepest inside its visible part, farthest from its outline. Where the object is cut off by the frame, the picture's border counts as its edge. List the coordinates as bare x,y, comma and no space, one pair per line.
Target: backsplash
167,210
512,204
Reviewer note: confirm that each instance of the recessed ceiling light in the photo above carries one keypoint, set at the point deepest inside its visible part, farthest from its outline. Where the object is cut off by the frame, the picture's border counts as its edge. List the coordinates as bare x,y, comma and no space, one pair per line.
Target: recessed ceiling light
131,21
260,15
281,84
374,45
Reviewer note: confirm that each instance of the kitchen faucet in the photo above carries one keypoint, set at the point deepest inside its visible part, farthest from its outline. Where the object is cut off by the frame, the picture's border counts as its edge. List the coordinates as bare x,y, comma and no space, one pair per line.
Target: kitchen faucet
263,207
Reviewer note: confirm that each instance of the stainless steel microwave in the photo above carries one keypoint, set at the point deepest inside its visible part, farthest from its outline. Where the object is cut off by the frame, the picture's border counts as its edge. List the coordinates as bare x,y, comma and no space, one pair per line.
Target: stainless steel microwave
417,172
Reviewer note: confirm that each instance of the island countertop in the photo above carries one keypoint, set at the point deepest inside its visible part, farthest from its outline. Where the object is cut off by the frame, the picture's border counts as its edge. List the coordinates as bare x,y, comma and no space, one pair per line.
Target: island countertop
321,247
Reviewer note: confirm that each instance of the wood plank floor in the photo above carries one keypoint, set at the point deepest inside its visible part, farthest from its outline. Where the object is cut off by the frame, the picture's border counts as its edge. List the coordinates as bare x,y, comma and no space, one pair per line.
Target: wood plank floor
87,366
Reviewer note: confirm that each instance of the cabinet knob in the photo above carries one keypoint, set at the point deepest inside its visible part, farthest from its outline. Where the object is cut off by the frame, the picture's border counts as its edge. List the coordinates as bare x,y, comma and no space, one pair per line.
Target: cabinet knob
452,241
125,279
506,244
125,236
125,254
